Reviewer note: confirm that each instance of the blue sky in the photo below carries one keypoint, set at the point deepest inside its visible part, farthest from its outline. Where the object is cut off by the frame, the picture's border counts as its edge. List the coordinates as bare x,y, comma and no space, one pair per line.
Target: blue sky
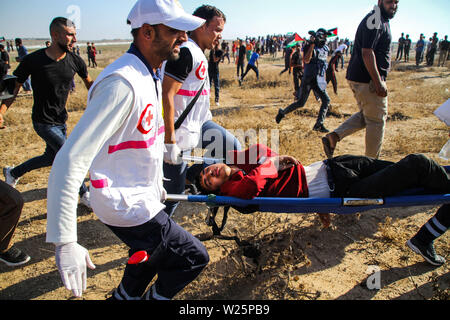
105,19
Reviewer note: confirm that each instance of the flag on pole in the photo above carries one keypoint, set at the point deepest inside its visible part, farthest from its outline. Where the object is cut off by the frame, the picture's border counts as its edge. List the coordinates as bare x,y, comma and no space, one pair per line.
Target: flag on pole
2,39
297,40
334,33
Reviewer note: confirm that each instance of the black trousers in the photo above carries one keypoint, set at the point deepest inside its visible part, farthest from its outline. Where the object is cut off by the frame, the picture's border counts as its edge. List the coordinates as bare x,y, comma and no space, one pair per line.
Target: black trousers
250,67
176,256
240,67
358,176
303,93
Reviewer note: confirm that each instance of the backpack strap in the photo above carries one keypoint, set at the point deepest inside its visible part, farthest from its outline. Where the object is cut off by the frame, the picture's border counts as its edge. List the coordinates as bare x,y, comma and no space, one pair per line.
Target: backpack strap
189,108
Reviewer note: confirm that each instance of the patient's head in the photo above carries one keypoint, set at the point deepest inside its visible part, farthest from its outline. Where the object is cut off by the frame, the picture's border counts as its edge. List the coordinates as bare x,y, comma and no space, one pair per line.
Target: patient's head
213,177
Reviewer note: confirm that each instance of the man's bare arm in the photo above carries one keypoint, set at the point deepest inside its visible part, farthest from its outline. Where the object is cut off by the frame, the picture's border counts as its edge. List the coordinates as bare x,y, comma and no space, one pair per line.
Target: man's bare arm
371,66
308,55
88,82
170,88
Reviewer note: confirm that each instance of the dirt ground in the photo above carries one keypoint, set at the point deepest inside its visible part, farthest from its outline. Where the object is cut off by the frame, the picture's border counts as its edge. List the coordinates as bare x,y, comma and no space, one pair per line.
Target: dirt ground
298,260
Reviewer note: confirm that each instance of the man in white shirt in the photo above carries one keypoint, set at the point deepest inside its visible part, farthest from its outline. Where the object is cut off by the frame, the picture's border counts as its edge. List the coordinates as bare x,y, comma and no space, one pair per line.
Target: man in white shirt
183,80
342,48
120,141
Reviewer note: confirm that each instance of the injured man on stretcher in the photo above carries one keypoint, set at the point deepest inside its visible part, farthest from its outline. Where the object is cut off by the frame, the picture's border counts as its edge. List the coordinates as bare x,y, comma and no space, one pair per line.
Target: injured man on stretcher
260,172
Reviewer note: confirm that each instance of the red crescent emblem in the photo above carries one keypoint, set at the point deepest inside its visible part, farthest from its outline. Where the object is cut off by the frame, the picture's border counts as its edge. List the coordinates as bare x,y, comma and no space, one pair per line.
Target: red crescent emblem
145,120
201,71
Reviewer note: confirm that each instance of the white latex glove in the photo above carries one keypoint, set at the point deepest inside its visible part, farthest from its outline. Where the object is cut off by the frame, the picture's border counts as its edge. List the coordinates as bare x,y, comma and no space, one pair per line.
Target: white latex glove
71,260
172,154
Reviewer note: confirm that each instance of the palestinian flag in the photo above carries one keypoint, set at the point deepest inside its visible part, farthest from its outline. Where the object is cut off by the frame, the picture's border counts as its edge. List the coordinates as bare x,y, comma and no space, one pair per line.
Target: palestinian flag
334,33
297,40
2,39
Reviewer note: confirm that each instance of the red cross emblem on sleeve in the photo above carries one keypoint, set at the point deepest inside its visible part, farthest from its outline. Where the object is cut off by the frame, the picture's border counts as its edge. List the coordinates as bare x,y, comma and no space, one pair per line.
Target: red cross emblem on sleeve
145,121
201,71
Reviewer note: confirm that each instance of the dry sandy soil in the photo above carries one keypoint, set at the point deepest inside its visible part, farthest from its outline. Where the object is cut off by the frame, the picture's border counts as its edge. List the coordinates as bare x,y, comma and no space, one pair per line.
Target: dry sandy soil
298,259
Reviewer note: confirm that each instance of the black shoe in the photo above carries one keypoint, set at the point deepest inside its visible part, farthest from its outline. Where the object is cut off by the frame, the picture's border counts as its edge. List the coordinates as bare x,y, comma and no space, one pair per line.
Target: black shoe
321,128
426,251
14,257
279,116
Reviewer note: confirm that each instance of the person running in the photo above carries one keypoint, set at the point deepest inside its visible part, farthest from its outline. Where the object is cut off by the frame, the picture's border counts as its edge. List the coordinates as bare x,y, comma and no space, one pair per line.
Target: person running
315,59
184,80
52,70
123,127
366,74
253,64
332,69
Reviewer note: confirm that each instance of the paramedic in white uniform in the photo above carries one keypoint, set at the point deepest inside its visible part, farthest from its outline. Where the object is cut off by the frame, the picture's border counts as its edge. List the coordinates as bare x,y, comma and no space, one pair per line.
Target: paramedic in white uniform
120,141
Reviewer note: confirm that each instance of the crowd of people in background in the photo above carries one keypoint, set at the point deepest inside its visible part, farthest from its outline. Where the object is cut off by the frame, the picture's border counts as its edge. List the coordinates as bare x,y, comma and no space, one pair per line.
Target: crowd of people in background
425,50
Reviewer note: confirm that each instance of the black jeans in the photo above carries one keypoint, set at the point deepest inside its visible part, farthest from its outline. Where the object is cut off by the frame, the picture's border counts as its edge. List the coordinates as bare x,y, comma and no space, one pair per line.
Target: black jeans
54,137
240,67
357,176
176,256
251,67
214,78
303,93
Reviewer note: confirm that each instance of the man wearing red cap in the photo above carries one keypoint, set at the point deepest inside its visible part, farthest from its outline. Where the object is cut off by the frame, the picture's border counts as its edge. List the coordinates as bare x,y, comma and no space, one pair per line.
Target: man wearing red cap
120,141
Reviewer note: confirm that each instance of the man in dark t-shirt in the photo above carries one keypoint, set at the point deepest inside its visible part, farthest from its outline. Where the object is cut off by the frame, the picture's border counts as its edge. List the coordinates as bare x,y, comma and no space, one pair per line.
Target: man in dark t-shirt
407,47
51,70
367,72
443,47
241,58
401,47
215,56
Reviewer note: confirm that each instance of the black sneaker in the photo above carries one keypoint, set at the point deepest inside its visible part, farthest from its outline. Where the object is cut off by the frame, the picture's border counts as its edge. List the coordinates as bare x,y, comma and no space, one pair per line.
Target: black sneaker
426,251
14,257
321,128
279,116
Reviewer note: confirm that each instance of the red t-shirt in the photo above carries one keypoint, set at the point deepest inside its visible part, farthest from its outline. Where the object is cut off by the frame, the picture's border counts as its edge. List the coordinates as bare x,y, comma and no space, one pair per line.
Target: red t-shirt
260,178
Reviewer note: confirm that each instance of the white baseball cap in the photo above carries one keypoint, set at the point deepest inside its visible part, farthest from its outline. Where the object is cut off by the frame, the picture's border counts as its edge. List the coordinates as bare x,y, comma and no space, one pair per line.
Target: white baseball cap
166,12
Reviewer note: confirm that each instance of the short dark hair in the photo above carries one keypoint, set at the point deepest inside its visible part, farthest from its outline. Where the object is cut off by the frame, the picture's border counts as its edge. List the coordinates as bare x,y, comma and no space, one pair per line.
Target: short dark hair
208,13
61,22
134,32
